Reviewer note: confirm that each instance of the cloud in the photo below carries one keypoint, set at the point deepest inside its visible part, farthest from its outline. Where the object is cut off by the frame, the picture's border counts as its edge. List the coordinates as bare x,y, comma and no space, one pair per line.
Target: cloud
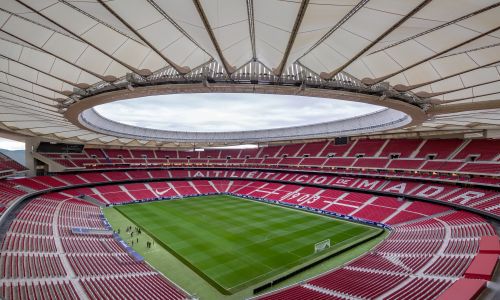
229,112
11,145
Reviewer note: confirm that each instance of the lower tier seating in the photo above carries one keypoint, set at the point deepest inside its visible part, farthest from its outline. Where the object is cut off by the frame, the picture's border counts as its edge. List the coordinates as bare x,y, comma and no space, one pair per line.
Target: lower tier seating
40,238
24,290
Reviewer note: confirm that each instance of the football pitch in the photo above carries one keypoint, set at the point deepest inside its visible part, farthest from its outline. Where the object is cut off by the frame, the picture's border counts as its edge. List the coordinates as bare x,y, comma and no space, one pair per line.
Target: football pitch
235,243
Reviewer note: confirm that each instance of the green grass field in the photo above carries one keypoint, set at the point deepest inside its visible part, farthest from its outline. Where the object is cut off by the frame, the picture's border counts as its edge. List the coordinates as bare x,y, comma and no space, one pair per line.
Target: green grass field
234,243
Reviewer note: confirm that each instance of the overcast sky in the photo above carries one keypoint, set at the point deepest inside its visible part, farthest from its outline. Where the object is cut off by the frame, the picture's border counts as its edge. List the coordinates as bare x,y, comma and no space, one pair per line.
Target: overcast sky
229,112
11,145
224,112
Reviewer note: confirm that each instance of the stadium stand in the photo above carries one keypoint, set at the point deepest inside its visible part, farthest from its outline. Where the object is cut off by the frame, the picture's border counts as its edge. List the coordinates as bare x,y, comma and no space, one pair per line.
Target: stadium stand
483,150
430,246
365,147
427,239
415,150
436,245
379,156
47,250
9,167
404,148
439,149
480,198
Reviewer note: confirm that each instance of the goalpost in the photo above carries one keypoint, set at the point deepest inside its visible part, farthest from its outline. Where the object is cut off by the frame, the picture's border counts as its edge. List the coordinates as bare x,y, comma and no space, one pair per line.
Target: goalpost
320,246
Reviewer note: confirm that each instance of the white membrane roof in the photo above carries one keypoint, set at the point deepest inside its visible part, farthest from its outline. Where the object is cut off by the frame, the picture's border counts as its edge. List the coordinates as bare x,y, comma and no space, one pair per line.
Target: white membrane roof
444,50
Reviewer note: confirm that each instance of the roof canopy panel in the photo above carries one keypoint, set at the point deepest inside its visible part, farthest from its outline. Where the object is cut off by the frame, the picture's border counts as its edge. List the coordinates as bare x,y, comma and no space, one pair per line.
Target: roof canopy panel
441,54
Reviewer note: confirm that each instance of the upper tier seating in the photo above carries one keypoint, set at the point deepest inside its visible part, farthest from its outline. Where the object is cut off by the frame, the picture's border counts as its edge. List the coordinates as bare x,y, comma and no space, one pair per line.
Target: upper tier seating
312,149
402,147
6,163
166,154
486,149
209,153
270,151
8,193
117,153
142,153
187,154
290,150
95,152
233,153
71,163
366,147
442,149
413,155
335,150
249,153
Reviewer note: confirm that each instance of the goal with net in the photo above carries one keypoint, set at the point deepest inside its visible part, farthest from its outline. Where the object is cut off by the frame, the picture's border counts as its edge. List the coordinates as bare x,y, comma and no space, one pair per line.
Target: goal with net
320,246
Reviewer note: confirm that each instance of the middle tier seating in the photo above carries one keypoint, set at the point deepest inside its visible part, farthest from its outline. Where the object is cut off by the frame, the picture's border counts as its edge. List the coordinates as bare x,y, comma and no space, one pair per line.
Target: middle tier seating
478,198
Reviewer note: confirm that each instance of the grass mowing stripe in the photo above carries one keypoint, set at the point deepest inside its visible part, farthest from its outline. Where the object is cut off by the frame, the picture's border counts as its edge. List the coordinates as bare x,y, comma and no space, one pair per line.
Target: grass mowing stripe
234,243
